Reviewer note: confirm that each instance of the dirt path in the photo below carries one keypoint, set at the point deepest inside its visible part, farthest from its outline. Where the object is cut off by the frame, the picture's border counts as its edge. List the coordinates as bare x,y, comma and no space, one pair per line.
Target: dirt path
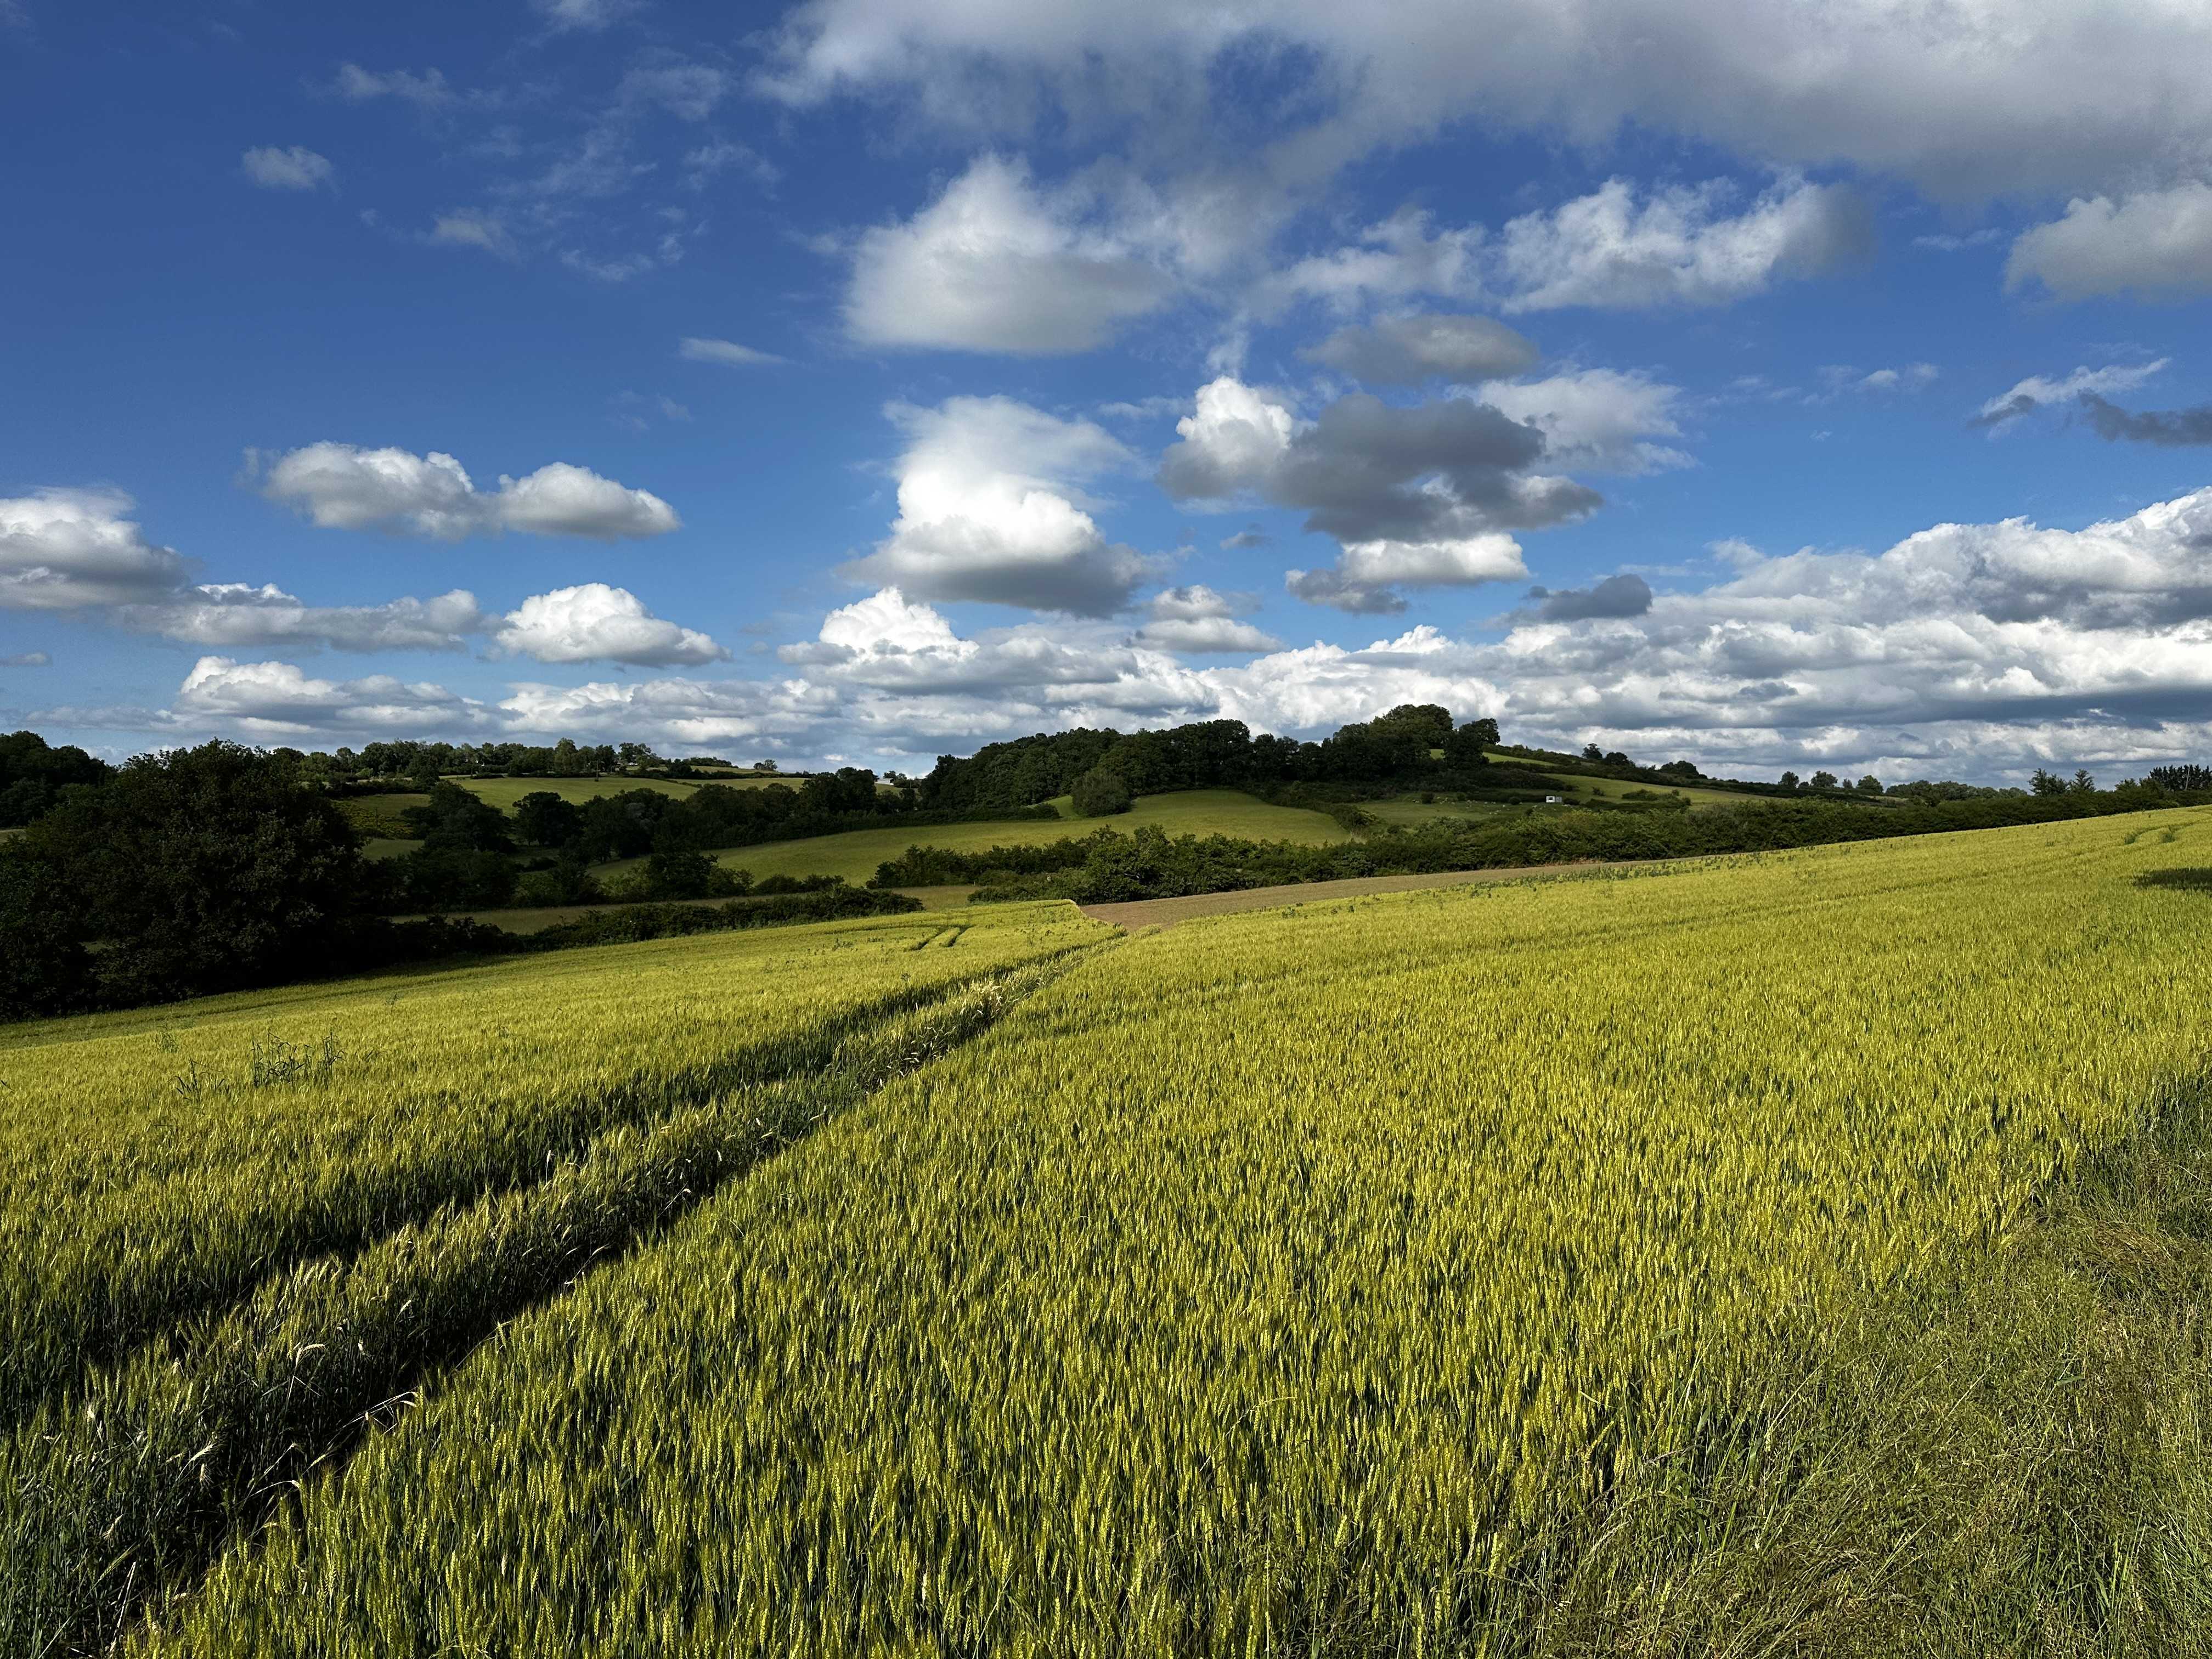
1166,912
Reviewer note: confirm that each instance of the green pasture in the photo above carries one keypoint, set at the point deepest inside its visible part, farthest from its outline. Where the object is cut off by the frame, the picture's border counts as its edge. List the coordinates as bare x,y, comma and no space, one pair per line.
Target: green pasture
855,853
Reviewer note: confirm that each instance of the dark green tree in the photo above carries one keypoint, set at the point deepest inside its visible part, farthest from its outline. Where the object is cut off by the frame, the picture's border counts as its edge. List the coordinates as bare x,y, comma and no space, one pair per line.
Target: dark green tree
456,820
44,968
1099,793
32,775
200,870
679,872
544,819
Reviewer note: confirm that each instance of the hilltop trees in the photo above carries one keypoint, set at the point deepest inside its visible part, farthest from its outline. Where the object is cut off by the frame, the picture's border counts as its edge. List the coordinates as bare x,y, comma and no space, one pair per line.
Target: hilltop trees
1414,745
32,775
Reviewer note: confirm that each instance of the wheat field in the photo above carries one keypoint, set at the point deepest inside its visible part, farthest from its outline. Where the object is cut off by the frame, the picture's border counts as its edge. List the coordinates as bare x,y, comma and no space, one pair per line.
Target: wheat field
1668,1262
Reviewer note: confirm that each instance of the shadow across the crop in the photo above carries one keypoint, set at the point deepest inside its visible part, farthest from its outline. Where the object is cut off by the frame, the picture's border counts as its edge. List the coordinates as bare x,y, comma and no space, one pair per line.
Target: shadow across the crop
2186,880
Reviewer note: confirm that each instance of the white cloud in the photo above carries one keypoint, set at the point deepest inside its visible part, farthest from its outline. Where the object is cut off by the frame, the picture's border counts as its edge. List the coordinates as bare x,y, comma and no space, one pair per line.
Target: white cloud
1233,438
427,90
2039,390
275,701
1677,247
992,265
1966,100
566,15
1396,259
1367,575
72,549
237,614
1910,378
1599,418
595,622
990,509
343,487
27,659
2156,242
470,229
728,353
561,500
1197,619
1966,650
296,168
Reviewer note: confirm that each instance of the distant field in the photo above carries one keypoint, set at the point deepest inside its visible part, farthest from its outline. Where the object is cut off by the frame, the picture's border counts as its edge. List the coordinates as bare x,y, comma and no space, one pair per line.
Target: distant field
1578,788
855,853
503,793
1411,812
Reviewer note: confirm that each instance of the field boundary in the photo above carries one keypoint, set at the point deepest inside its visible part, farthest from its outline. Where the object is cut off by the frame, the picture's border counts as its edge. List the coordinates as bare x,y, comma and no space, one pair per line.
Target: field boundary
1167,912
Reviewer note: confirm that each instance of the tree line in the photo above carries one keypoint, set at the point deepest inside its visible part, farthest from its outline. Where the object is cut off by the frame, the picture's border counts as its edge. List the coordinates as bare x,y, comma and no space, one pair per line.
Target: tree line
1106,867
198,871
470,855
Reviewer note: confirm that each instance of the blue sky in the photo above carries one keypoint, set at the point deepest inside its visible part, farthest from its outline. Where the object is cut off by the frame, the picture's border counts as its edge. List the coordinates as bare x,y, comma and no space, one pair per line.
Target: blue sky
871,379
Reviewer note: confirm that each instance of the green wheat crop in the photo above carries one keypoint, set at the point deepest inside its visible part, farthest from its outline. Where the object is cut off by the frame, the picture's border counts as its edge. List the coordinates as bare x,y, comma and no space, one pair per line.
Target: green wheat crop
1346,1280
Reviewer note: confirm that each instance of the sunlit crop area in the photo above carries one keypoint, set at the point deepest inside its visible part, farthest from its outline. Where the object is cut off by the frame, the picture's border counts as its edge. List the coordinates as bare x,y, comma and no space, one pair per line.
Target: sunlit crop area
1344,1279
206,1206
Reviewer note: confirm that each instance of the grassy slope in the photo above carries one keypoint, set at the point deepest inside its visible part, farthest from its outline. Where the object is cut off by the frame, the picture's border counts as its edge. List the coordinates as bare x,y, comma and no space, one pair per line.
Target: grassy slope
855,853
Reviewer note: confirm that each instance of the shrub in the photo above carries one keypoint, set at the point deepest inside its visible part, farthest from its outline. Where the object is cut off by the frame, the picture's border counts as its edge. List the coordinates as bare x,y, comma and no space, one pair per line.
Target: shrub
1099,793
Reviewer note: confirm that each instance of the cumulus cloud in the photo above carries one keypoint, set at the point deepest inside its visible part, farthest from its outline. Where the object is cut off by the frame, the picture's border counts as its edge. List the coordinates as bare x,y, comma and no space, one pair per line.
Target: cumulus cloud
594,622
295,169
1966,101
1598,418
1198,620
994,265
1679,246
238,614
991,509
276,702
1418,496
72,549
1616,596
1365,469
2155,242
1399,258
1408,350
27,659
2039,390
1367,575
728,353
343,487
1971,650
